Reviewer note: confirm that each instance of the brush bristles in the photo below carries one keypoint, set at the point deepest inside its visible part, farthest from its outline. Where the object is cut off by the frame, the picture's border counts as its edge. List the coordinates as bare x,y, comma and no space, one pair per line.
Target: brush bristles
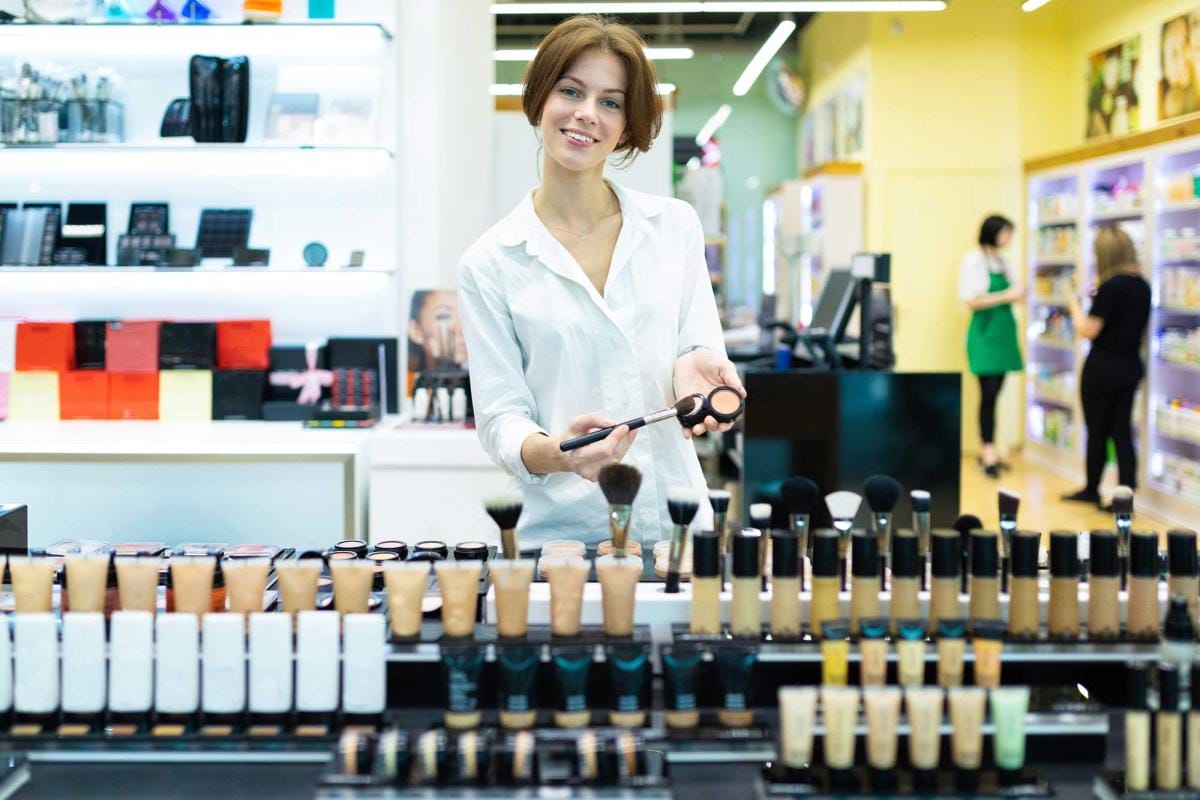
921,501
505,509
620,484
1010,503
687,406
682,503
1122,500
719,499
967,523
760,515
882,492
843,505
799,494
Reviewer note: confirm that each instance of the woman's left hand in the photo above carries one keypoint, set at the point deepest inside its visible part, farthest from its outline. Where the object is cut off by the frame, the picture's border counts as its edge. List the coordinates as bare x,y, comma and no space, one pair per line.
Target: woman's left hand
699,372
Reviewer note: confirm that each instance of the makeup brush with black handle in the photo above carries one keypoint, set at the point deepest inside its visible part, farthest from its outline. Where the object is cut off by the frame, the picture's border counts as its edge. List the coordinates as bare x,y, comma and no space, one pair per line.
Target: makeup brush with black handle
760,519
682,504
964,525
1122,508
1009,505
922,502
505,509
843,508
799,495
620,484
681,410
882,493
719,500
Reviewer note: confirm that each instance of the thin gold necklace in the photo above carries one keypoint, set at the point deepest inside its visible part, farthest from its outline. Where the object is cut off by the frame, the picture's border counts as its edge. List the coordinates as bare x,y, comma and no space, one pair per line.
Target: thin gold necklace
583,236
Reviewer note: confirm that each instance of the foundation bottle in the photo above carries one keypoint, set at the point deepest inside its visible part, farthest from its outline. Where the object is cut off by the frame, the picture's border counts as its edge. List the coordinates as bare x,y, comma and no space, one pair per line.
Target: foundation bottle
137,582
945,557
32,582
567,576
785,585
1181,568
985,576
510,579
458,584
193,583
864,583
1024,621
1064,585
746,613
906,579
1168,731
246,584
706,583
1143,612
1193,737
1137,730
618,591
826,581
1104,583
297,584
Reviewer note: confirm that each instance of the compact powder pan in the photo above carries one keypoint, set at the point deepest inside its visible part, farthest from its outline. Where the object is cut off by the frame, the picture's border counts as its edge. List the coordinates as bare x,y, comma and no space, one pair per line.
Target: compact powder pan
725,403
697,414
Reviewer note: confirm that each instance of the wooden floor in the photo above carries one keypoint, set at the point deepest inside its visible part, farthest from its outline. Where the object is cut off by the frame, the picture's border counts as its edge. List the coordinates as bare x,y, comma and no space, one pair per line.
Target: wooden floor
1041,509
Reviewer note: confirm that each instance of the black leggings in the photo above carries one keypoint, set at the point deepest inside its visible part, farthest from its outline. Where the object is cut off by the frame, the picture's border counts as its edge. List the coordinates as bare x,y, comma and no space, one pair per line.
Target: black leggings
1107,413
989,390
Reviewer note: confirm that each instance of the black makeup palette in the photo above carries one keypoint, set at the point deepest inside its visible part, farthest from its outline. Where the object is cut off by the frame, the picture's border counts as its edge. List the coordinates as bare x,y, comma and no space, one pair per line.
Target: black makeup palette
223,231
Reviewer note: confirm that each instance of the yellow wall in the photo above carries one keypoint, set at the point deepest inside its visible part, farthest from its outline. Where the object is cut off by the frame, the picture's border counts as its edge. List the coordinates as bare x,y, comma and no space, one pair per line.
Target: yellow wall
957,100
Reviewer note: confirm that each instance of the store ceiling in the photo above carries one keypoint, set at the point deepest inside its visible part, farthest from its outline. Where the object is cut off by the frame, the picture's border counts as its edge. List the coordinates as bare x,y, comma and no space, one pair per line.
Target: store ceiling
658,29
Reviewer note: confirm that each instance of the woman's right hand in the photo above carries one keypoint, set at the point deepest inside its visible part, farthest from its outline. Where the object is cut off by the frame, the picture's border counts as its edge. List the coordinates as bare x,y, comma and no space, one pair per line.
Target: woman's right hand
587,461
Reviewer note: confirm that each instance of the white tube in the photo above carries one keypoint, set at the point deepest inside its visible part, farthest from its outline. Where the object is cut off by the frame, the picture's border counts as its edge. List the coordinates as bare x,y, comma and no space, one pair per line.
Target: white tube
35,640
317,661
364,668
270,663
131,663
224,653
176,663
84,678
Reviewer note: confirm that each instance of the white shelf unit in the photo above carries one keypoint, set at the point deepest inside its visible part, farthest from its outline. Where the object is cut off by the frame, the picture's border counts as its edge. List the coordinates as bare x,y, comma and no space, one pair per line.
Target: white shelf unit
1160,210
1052,407
819,225
242,480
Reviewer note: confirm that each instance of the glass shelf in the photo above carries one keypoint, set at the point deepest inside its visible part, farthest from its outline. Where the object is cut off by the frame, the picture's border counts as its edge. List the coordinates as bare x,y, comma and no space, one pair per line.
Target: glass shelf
36,28
188,146
115,271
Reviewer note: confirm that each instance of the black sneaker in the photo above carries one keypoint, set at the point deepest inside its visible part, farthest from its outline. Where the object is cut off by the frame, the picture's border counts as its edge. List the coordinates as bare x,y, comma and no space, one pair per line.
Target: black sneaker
1083,496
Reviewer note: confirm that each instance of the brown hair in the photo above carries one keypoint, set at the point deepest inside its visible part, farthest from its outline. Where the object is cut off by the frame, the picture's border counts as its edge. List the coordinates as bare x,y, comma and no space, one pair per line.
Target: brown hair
569,40
1115,253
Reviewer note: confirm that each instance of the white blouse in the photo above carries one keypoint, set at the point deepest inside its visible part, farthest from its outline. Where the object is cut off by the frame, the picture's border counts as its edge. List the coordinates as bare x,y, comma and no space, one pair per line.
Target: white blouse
974,273
544,347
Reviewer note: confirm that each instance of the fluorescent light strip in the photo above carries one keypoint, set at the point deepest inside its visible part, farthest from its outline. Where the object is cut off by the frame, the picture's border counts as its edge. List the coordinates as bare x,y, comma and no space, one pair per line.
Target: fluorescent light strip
652,53
1033,5
718,7
763,57
518,89
714,122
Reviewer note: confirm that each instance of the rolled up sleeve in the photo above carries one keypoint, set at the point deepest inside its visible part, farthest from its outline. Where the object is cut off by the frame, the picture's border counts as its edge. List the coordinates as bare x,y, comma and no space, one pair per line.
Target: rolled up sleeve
505,410
699,323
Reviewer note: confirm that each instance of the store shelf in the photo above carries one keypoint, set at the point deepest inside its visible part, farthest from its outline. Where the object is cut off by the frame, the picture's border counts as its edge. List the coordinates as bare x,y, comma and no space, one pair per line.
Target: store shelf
1178,311
1049,302
282,270
1116,216
1066,405
1184,440
1057,222
1054,344
1178,365
1186,205
1053,262
178,146
100,36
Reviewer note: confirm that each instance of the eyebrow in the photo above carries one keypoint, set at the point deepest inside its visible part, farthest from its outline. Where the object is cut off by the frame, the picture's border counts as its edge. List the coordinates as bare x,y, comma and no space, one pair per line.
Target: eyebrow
581,83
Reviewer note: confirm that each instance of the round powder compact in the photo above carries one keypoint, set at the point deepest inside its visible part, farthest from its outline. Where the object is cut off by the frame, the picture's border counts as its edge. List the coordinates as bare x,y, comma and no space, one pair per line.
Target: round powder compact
546,562
564,547
356,546
432,546
605,548
471,551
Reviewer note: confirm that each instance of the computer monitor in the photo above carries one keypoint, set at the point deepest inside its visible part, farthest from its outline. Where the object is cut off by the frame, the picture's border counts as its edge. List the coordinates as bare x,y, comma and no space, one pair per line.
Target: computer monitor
832,313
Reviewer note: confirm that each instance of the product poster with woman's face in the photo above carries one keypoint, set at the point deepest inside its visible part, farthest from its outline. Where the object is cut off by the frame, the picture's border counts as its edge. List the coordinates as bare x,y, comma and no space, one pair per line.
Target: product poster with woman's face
1112,92
1179,57
435,337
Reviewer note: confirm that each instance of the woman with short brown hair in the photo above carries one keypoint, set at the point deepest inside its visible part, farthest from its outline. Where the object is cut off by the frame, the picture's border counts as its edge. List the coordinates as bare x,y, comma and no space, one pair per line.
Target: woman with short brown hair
590,296
1116,326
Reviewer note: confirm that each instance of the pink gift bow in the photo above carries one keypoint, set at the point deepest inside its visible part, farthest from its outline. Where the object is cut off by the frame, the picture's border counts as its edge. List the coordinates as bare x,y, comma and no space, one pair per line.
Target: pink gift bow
310,382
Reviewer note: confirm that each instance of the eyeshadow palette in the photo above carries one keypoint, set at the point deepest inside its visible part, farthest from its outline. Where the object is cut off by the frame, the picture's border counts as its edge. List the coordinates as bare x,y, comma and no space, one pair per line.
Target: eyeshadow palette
223,231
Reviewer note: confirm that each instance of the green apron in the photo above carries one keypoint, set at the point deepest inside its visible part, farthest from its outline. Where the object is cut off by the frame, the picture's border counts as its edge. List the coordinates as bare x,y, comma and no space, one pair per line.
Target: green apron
992,347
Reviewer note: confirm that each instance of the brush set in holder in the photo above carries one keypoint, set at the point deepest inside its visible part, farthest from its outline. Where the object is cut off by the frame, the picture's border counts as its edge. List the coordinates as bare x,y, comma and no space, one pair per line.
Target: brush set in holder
398,757
220,98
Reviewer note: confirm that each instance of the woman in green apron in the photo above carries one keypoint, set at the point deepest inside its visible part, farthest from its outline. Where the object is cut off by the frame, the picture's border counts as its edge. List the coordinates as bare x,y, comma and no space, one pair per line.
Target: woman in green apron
988,287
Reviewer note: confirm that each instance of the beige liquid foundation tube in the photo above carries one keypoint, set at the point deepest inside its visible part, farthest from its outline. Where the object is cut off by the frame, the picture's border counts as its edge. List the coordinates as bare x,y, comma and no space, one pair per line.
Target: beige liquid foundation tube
1064,585
87,581
32,579
826,582
746,611
785,585
946,560
985,576
924,708
510,579
839,704
797,713
1024,620
137,582
246,584
406,583
968,705
1142,606
567,576
864,582
297,584
1137,730
192,583
1104,583
882,707
352,581
906,580
706,583
458,582
618,588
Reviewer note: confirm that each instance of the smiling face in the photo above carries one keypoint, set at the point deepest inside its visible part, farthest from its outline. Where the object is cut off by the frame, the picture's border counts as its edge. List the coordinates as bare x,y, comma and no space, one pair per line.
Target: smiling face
583,120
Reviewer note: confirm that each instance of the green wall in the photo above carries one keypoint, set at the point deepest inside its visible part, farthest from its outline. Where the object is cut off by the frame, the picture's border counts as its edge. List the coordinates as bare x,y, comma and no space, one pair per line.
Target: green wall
758,148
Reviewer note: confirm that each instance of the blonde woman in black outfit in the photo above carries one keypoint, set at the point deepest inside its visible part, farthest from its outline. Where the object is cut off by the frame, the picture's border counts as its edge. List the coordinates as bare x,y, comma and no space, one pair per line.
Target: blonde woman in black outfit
1116,326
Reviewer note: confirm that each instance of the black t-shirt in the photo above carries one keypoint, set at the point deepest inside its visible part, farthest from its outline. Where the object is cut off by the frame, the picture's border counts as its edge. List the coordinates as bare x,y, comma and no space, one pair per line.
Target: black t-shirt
1123,302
